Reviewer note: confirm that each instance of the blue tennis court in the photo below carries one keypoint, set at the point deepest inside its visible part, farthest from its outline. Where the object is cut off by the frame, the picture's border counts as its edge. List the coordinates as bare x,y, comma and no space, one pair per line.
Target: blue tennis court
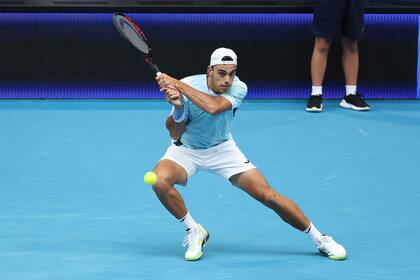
73,204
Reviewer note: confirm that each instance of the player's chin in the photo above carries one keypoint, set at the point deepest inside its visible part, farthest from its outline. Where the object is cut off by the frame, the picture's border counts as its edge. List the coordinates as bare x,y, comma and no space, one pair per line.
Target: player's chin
223,89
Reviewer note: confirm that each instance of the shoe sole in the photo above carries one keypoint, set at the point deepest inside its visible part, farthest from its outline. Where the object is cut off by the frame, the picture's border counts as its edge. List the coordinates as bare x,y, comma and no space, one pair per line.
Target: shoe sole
314,109
335,258
206,239
346,105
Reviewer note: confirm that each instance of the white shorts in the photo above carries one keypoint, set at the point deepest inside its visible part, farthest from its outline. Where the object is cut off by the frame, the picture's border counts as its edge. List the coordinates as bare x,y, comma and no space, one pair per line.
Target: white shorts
224,159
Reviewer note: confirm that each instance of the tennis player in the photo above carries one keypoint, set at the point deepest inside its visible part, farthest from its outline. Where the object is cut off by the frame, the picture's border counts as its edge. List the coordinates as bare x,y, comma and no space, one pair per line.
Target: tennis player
203,109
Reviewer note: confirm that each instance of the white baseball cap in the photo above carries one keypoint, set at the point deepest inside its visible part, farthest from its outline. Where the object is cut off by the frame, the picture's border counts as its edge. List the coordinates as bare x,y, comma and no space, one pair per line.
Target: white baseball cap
223,56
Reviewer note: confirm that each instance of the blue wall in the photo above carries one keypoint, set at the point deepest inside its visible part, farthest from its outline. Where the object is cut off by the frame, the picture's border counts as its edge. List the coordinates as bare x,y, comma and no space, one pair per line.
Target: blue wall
80,55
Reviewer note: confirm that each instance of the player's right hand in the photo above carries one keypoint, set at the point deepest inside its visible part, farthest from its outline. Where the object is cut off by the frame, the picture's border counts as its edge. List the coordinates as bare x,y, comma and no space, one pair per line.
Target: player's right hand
165,81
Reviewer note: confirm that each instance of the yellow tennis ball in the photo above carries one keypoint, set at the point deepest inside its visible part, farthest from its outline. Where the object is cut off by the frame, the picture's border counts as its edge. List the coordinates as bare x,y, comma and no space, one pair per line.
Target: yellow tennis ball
150,178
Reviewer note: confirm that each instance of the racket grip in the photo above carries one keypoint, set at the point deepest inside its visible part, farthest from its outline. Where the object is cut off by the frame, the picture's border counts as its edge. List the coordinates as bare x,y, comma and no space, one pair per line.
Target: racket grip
158,73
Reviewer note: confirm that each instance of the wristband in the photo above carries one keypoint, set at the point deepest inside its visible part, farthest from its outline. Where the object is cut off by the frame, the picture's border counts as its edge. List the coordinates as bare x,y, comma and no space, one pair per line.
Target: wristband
179,115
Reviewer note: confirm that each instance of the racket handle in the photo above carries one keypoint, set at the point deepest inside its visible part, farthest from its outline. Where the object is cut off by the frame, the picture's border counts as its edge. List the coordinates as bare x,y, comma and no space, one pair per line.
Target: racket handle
158,73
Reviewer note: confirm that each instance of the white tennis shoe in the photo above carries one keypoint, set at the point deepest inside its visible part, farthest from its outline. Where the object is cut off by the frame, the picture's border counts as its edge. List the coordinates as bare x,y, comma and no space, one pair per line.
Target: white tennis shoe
328,247
195,239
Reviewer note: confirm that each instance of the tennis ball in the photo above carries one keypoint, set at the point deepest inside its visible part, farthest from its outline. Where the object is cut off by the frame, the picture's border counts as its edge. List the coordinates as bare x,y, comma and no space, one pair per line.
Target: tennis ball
150,178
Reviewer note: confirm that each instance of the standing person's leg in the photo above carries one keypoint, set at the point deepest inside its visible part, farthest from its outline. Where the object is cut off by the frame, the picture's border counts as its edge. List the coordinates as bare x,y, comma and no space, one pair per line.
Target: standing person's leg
319,61
257,186
175,168
350,61
318,66
324,27
352,31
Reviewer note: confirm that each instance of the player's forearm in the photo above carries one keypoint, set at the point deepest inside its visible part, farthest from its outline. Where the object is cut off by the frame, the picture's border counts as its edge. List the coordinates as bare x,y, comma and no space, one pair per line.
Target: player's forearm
205,102
175,129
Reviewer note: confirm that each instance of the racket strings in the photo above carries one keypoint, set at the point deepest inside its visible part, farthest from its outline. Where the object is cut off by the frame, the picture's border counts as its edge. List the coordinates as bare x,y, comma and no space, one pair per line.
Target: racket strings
132,33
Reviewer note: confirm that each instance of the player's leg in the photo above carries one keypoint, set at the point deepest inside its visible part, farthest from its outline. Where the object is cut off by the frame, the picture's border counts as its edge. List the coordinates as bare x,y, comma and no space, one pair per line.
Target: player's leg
352,31
170,173
227,160
176,167
257,186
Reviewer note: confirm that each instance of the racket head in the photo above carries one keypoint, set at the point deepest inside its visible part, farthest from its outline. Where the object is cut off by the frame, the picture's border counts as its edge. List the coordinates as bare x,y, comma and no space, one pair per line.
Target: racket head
131,32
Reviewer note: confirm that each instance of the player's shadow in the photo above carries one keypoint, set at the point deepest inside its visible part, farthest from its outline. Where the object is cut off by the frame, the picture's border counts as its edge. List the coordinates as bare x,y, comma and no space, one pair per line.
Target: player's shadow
224,249
149,249
245,248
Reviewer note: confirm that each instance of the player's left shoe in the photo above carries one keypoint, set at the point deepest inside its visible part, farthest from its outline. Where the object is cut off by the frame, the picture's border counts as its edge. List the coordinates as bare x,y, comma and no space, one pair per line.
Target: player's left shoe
196,239
355,102
330,248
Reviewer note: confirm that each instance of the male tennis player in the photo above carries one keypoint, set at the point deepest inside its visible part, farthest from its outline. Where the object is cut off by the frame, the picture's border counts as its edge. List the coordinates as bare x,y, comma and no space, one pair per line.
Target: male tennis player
203,109
344,19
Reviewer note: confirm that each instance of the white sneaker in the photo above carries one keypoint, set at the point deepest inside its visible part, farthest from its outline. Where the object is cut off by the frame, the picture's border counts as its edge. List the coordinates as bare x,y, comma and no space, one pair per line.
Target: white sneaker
328,247
196,239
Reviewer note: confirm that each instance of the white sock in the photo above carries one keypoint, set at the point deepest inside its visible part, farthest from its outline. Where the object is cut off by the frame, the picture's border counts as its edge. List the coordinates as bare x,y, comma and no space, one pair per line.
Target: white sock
313,233
188,221
350,89
316,90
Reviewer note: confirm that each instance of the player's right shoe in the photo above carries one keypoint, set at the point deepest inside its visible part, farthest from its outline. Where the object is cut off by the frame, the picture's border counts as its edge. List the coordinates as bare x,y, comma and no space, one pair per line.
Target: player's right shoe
195,239
329,247
314,103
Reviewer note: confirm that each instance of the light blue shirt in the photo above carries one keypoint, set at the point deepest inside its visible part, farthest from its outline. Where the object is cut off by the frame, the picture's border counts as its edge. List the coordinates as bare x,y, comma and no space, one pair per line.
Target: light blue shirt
204,130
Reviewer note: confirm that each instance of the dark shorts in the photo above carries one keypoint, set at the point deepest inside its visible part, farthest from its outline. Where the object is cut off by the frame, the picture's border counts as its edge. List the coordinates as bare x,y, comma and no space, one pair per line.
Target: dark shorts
339,18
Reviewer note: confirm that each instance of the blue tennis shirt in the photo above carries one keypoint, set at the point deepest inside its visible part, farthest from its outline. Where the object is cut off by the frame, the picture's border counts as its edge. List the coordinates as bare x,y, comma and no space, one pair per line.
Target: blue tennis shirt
204,130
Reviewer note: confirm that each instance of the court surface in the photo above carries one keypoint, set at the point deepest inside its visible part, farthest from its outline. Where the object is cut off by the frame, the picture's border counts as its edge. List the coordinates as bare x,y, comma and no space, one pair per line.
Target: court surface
73,204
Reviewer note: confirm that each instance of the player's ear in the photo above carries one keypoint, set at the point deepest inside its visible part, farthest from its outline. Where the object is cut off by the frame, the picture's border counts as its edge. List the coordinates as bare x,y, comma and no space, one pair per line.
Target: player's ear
209,70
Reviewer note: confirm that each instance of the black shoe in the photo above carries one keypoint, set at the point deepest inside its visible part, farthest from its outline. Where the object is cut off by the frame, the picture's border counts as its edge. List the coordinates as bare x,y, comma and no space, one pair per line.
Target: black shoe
355,102
314,103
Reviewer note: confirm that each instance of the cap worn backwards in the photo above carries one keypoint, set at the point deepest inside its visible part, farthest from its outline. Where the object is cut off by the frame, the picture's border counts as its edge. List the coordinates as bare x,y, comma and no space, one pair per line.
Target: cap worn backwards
223,56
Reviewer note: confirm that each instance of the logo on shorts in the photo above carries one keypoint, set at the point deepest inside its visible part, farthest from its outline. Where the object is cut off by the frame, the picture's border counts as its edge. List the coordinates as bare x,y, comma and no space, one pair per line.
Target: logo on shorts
247,161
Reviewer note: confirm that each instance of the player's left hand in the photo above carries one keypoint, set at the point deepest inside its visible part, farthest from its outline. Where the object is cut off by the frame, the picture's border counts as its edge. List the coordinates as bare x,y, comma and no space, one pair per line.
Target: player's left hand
166,81
173,96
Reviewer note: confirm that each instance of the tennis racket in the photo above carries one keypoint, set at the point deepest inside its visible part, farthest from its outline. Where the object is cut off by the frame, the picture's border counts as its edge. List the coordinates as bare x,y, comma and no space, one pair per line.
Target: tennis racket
129,30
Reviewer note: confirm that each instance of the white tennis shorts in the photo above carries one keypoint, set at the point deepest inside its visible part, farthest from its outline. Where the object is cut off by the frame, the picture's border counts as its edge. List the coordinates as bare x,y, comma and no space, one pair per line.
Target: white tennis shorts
224,159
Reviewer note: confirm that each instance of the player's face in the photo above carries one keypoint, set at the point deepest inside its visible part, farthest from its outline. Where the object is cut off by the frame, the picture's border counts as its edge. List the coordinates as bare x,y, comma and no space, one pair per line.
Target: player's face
220,77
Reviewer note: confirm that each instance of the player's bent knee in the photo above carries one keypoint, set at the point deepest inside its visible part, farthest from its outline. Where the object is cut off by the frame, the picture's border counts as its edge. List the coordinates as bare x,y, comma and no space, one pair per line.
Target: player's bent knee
269,198
163,183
